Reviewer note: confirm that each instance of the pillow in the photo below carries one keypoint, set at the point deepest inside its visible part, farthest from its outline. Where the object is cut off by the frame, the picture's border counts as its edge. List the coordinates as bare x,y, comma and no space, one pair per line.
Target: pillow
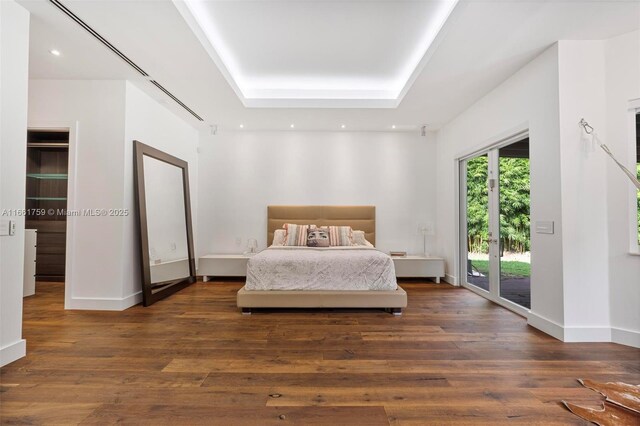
279,237
360,240
340,235
296,235
318,237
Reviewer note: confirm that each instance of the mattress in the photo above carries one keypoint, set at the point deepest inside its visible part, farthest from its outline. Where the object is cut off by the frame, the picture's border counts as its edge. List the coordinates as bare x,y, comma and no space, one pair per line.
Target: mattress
313,268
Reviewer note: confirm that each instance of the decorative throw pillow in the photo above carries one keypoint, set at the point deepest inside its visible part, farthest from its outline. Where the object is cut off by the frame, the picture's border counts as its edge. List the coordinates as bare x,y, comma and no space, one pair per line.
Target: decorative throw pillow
318,237
340,235
296,235
360,240
279,236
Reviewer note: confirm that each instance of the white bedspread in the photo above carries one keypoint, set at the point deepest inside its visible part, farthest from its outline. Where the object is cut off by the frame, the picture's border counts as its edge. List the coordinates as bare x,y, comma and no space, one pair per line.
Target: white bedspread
330,268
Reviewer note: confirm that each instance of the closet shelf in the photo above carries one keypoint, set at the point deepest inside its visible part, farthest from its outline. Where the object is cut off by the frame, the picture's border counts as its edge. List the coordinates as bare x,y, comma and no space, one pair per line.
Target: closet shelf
60,176
47,198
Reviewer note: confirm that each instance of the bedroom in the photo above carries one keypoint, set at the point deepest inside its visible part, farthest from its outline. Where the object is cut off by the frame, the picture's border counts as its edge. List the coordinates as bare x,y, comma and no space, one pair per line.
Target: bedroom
85,349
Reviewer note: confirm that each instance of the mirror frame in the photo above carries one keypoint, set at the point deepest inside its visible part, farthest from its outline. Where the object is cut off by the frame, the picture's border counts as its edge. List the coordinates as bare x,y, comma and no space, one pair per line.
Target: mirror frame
152,292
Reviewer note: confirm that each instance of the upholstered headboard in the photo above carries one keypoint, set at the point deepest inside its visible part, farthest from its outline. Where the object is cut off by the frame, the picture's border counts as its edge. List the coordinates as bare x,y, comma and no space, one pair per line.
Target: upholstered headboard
362,218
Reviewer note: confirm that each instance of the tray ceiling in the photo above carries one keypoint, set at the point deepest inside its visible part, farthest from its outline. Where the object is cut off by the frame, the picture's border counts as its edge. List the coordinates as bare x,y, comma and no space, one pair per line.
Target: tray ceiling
318,53
482,43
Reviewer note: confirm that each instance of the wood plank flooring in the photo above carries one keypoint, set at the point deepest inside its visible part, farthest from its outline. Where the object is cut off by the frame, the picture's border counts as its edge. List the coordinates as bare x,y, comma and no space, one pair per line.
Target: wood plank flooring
452,358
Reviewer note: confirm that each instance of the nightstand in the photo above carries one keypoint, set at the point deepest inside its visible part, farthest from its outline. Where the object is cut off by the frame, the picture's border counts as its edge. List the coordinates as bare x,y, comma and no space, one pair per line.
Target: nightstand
419,267
222,265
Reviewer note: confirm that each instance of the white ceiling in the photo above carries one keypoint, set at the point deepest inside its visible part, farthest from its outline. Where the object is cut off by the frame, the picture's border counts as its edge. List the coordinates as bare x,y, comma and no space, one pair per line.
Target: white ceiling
336,54
481,45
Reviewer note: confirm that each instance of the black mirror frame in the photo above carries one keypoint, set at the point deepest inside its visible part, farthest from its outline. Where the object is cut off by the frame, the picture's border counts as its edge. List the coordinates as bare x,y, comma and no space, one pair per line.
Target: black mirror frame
152,292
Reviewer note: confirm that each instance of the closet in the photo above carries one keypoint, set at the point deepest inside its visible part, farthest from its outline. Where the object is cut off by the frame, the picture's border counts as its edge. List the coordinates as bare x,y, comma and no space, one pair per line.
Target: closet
46,199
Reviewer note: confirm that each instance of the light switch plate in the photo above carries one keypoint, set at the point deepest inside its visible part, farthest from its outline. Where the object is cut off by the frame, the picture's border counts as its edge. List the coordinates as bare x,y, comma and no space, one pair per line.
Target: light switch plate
544,227
5,225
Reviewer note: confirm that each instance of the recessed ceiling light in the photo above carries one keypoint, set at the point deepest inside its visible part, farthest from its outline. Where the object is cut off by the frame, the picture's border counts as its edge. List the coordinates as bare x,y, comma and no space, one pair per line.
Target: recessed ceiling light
242,126
343,126
54,52
393,126
292,126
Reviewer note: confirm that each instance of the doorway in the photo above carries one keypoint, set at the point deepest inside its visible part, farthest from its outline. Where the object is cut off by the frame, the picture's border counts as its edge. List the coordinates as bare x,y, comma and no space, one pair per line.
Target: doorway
495,224
46,202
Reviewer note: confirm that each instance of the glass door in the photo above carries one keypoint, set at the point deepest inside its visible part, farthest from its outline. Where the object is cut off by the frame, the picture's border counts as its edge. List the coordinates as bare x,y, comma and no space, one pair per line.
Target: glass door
478,234
495,203
515,239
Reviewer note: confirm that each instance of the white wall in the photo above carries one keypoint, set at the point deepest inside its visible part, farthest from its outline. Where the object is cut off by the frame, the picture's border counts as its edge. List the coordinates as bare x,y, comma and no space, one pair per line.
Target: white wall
584,284
529,99
240,173
14,72
622,85
96,110
106,116
584,209
151,123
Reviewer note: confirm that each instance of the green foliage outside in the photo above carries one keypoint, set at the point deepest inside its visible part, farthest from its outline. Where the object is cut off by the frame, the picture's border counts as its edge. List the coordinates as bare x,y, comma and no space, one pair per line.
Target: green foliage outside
508,269
514,205
477,205
515,187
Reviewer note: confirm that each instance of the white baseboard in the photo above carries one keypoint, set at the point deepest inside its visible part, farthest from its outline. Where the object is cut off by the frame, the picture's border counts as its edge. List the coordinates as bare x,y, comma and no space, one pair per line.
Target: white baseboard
131,300
13,352
584,334
587,334
451,279
545,325
625,337
104,304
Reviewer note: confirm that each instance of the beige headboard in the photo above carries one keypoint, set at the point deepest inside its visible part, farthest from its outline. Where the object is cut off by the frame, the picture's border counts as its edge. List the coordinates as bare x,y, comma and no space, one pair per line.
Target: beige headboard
362,218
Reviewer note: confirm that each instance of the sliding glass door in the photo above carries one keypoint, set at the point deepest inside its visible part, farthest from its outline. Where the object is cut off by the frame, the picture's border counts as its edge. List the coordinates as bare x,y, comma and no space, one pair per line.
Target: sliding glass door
477,221
515,239
495,225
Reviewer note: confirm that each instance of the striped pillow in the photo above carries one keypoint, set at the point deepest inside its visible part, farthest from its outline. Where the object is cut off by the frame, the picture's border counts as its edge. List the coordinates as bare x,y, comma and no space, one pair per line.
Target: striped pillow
296,235
340,235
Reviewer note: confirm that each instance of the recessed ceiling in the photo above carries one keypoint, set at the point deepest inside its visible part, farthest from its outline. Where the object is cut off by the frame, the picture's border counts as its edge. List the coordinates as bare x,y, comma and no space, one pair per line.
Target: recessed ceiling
481,45
323,53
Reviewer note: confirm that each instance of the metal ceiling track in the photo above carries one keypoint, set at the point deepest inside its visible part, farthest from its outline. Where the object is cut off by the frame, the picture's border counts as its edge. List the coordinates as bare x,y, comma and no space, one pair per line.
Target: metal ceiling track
122,56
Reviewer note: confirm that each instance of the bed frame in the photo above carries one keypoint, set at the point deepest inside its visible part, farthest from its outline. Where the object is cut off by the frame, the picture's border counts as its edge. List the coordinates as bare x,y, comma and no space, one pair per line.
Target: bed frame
358,217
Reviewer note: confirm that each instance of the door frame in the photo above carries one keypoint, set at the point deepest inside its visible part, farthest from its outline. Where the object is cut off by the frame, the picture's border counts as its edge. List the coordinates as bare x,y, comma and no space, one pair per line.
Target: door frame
632,111
506,138
72,128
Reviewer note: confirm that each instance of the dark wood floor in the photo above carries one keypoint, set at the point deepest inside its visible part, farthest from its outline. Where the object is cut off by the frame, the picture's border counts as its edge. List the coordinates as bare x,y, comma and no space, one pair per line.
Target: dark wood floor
452,358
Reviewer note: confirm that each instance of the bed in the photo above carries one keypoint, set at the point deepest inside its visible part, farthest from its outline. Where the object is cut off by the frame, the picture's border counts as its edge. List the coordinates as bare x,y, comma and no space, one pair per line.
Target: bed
333,277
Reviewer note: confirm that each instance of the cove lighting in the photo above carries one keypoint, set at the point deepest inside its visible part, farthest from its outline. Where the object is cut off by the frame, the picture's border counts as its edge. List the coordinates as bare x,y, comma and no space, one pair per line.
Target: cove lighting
334,88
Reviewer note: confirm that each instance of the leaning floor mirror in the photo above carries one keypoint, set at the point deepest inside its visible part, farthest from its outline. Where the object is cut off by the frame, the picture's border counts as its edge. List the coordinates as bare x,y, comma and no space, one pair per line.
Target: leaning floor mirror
164,219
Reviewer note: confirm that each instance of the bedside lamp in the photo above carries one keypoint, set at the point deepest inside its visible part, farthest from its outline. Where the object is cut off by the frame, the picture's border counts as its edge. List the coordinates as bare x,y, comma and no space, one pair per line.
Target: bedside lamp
252,247
426,229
